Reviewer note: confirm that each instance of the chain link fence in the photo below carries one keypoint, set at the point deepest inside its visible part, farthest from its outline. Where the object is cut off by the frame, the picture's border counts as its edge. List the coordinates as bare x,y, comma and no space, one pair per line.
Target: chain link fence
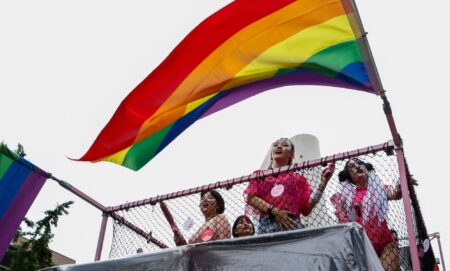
195,214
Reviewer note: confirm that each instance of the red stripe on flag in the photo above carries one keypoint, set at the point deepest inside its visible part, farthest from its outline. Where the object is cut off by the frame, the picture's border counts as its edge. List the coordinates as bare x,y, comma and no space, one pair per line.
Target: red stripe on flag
148,96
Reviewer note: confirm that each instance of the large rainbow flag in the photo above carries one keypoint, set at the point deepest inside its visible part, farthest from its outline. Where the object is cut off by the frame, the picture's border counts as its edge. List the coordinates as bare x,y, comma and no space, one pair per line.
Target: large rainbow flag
245,48
20,182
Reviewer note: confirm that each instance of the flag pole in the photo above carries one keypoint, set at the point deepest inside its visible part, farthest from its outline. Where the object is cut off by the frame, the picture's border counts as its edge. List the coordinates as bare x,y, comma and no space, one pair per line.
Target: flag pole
403,182
374,78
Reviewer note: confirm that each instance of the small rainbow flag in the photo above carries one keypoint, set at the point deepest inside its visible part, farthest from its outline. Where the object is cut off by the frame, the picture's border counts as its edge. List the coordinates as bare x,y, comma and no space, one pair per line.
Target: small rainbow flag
245,48
20,182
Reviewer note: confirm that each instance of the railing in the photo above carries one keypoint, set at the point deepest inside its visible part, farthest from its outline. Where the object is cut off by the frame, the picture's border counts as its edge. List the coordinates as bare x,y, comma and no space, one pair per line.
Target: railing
150,224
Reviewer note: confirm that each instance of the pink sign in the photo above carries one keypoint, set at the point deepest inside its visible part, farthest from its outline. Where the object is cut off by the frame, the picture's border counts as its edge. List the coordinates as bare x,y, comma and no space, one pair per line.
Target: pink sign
207,234
277,190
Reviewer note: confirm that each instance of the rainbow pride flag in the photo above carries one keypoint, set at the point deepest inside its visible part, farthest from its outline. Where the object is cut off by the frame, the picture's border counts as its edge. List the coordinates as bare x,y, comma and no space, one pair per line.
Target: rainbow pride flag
20,182
245,48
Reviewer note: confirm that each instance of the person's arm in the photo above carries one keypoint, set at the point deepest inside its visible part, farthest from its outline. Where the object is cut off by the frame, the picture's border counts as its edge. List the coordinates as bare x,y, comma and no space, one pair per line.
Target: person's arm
338,202
177,236
316,195
395,193
179,239
283,217
258,203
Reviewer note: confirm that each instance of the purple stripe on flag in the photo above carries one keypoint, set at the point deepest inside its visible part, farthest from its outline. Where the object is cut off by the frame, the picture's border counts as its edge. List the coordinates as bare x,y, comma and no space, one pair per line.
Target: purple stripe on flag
298,78
18,209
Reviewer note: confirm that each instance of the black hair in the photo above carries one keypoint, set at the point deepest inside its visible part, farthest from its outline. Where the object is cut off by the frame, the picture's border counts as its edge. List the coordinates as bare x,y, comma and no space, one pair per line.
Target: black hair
219,199
344,175
237,221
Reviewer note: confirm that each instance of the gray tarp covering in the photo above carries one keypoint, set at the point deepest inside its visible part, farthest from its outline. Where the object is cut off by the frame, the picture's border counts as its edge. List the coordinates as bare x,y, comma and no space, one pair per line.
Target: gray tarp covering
341,247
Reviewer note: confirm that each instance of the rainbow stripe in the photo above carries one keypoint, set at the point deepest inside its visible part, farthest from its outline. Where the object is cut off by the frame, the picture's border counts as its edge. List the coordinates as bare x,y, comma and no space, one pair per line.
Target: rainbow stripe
20,182
245,48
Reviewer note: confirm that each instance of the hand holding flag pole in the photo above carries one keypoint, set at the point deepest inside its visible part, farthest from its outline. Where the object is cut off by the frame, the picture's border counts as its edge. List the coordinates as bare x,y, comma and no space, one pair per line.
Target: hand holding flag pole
178,237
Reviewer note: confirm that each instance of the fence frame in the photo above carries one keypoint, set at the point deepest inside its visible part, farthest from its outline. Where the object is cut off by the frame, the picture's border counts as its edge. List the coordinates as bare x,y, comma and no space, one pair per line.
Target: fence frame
437,236
389,147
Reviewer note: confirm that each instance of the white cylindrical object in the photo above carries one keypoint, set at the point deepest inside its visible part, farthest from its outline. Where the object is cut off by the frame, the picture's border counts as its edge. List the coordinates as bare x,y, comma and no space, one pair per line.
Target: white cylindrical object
306,148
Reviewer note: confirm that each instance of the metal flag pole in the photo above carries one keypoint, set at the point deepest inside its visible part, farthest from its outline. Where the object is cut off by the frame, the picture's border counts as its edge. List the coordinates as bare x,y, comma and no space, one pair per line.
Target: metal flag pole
374,78
403,183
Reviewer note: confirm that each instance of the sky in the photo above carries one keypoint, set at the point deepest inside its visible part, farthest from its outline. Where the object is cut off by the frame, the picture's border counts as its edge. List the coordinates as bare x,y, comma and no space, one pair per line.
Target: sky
66,65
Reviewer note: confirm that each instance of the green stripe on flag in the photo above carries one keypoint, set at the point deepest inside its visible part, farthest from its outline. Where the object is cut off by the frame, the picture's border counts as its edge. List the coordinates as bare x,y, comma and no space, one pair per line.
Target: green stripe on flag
5,163
145,150
332,60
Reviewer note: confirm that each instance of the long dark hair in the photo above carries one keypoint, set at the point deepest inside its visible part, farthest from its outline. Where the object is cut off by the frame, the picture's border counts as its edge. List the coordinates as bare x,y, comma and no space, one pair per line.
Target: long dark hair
237,221
219,199
344,175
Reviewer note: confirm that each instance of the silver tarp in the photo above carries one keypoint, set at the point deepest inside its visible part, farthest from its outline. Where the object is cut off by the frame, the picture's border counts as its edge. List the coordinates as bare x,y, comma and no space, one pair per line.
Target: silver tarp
340,247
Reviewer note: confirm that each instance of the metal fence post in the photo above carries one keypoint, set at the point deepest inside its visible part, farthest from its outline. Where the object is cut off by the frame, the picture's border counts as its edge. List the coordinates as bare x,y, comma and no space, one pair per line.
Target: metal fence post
101,237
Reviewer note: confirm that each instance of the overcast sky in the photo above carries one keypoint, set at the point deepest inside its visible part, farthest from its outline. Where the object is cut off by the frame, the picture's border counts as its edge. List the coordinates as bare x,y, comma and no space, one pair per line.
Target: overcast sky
66,65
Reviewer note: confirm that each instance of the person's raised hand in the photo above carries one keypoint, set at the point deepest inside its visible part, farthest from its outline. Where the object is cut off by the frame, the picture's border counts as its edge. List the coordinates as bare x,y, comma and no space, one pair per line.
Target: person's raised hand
327,173
412,180
179,239
326,176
